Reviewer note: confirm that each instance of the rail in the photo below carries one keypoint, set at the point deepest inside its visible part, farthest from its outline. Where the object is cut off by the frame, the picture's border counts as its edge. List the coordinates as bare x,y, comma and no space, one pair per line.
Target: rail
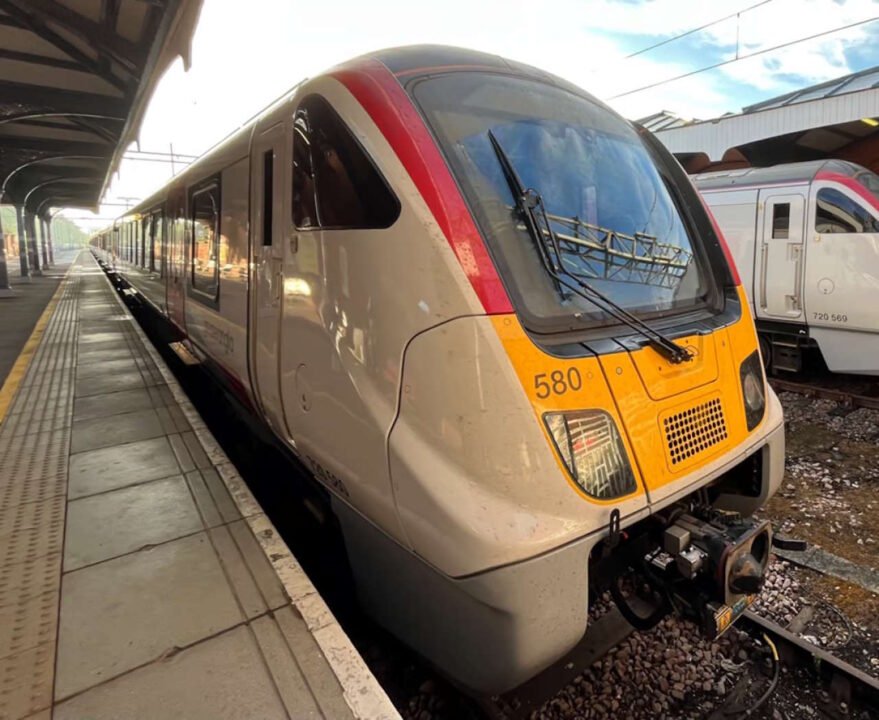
848,398
844,687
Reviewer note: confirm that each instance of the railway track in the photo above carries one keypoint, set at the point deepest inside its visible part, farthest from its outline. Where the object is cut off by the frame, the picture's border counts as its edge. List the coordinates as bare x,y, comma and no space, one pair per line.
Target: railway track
844,690
838,690
849,398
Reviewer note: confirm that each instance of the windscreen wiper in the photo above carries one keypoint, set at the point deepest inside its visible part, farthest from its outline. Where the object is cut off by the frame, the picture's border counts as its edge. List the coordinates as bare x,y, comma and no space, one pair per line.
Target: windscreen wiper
533,211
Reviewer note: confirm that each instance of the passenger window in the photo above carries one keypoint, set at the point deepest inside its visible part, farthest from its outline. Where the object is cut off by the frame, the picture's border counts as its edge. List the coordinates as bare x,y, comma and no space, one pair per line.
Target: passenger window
335,184
146,240
205,207
781,221
304,205
158,235
268,195
838,213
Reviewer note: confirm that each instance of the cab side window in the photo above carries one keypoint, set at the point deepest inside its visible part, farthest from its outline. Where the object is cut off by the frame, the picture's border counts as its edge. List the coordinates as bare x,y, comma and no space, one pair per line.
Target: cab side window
838,213
781,221
205,214
335,184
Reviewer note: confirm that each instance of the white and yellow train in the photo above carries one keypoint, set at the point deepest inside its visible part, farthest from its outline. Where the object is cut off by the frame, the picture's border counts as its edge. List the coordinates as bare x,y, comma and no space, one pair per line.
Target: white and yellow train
499,325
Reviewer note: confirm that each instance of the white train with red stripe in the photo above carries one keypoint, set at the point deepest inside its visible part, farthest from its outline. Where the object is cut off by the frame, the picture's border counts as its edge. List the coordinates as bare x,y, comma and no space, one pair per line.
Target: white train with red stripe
496,321
805,237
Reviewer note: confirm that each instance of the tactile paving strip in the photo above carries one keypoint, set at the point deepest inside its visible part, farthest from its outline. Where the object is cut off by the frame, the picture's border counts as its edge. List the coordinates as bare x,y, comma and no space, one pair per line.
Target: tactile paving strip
34,446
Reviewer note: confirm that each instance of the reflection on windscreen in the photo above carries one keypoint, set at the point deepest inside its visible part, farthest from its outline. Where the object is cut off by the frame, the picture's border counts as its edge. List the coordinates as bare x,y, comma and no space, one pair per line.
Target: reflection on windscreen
611,211
604,210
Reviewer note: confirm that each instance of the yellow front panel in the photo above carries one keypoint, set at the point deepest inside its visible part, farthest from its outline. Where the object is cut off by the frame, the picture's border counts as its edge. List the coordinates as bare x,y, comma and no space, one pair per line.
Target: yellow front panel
673,418
662,379
553,384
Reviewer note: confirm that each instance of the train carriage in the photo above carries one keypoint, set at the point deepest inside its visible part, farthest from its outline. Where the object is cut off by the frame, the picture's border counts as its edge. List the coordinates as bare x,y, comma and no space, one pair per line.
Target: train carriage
498,324
806,239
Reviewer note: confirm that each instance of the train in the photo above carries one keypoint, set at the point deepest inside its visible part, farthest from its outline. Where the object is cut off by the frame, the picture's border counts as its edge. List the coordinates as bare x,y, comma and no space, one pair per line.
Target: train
499,326
805,238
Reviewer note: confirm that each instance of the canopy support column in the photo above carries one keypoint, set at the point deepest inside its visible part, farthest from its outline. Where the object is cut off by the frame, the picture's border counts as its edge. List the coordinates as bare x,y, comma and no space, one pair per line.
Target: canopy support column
23,263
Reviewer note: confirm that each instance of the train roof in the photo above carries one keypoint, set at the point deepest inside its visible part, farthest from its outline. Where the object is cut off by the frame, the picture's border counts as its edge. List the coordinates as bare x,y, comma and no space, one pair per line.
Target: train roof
789,173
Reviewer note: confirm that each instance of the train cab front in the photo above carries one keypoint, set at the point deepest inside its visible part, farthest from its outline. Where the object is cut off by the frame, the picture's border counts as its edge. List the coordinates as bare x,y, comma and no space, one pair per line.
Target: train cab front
609,424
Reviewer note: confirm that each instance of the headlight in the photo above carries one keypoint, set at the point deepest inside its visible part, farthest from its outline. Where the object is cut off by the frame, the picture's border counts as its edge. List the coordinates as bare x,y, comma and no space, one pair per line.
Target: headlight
753,389
593,452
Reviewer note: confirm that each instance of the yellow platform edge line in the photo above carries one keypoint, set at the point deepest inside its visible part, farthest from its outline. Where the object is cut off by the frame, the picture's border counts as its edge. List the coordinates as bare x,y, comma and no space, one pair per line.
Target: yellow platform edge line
23,361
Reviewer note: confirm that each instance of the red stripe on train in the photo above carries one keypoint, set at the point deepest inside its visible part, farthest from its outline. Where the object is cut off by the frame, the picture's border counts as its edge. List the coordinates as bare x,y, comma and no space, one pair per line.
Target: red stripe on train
851,184
390,108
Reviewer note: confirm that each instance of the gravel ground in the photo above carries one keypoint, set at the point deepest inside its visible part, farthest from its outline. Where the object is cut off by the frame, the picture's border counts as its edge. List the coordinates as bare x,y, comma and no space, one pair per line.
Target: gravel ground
668,672
830,493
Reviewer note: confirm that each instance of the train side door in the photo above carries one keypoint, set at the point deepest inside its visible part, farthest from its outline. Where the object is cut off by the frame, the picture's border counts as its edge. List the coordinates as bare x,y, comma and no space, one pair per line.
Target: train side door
779,286
267,213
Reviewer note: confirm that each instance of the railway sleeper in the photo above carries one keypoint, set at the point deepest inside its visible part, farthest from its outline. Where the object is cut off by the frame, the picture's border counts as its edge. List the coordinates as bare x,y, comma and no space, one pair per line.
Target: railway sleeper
844,688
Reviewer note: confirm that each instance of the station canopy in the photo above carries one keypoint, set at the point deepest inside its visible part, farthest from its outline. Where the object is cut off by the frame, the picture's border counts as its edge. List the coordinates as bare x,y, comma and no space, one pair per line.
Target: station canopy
834,119
75,80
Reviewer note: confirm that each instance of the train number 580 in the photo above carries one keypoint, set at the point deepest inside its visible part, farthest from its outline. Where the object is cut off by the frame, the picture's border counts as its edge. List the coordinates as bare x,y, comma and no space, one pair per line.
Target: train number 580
557,382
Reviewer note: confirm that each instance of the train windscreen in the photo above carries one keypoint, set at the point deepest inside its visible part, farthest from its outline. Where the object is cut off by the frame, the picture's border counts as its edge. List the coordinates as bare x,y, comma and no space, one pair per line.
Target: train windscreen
610,210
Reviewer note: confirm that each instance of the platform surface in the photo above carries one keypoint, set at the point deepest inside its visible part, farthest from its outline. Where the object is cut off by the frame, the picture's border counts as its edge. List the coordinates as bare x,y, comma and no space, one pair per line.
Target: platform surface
138,577
21,309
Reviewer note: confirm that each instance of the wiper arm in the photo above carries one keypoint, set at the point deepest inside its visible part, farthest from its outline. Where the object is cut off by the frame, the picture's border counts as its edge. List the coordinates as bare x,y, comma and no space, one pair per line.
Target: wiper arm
533,211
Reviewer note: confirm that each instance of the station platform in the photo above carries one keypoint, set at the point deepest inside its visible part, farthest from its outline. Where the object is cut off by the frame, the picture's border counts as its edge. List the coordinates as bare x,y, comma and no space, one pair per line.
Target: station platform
138,576
23,306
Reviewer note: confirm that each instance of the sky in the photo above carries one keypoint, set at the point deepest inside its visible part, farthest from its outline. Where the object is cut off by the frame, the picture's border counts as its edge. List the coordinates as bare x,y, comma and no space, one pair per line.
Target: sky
245,54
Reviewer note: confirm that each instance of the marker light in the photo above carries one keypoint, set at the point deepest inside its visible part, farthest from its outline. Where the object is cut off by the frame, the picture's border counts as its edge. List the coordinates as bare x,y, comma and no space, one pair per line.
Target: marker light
753,389
593,452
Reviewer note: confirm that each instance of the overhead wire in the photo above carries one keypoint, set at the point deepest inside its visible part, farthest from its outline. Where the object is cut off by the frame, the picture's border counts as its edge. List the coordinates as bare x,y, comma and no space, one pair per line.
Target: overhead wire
695,30
743,57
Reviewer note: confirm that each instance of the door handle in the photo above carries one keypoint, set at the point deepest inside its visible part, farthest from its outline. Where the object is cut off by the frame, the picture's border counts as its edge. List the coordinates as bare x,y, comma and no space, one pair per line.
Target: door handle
763,254
798,275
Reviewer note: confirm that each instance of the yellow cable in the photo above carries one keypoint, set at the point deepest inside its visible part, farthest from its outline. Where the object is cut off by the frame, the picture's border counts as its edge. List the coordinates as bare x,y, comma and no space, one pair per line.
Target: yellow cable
771,646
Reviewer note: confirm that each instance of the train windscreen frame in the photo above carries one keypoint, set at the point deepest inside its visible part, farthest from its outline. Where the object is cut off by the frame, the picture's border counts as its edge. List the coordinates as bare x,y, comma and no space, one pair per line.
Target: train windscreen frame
609,198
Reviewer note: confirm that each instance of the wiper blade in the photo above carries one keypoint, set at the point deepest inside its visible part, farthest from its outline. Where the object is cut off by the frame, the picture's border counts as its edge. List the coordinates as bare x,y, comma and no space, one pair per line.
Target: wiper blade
530,205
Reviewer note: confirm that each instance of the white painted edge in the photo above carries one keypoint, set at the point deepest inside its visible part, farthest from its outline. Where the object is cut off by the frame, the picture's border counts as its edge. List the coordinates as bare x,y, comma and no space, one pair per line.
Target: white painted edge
366,698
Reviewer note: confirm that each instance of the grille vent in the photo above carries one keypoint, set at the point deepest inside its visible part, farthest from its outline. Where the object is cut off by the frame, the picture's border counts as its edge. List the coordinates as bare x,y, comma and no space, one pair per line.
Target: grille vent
694,430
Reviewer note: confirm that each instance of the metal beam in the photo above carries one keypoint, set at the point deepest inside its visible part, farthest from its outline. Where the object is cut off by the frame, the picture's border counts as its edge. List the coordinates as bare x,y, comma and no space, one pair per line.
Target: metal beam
55,196
8,191
35,19
59,173
35,59
108,18
37,122
8,21
90,126
31,99
51,146
121,50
